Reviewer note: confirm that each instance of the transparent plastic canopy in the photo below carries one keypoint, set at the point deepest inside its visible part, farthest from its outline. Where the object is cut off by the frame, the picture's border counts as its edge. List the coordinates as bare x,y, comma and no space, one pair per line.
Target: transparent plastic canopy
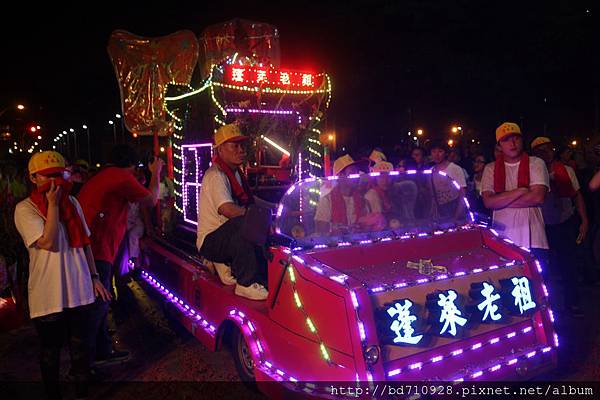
370,206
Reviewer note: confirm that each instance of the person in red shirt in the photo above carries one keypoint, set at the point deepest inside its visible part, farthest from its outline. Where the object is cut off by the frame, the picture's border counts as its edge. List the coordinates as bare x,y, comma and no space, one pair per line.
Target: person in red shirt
105,200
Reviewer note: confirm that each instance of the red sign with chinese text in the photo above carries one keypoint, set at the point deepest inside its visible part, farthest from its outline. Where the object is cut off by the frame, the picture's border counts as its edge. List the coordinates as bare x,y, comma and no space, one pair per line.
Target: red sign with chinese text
240,75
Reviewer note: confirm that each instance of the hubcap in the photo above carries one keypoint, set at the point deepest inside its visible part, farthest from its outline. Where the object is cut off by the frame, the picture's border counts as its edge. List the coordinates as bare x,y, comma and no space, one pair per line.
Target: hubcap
245,356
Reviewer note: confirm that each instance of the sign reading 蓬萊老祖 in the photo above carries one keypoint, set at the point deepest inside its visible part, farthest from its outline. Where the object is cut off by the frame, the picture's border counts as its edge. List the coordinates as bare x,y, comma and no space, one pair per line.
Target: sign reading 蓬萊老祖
401,323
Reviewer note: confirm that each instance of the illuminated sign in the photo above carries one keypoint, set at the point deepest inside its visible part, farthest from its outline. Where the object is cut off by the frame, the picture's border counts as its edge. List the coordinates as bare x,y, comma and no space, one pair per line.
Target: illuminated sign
400,322
264,76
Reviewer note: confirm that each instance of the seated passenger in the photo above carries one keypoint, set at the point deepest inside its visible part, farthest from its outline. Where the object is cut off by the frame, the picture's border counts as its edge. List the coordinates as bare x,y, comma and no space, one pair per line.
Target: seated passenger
224,198
343,207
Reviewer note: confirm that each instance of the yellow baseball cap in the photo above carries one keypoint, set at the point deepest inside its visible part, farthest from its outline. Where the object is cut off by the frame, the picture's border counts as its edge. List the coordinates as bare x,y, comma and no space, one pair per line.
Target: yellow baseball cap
345,161
539,141
46,162
382,166
229,133
506,129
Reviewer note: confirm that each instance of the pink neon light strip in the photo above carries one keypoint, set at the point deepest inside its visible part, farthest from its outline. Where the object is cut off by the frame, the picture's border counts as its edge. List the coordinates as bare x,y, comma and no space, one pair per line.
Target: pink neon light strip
190,312
460,351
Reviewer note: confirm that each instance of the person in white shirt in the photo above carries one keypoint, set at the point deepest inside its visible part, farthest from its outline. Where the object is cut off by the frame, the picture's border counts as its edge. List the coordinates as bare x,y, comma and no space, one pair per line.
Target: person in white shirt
63,281
448,199
564,229
224,198
514,187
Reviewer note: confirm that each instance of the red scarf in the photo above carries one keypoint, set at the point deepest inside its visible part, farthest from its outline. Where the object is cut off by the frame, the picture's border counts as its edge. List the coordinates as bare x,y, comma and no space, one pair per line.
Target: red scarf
500,173
241,192
561,184
385,200
338,206
67,211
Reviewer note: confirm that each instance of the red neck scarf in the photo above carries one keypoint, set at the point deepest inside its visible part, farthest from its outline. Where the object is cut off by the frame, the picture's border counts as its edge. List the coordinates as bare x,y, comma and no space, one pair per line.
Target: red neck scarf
561,184
385,200
241,192
67,211
338,206
500,173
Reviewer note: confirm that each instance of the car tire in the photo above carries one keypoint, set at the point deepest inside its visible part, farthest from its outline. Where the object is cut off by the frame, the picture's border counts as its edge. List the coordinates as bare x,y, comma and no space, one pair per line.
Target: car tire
242,357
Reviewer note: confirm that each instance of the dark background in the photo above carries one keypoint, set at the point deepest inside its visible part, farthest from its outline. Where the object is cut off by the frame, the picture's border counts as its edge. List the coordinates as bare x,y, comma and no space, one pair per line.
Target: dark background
395,65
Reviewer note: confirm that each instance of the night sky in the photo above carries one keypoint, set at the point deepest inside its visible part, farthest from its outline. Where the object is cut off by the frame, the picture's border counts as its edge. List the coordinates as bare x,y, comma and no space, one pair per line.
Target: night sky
395,65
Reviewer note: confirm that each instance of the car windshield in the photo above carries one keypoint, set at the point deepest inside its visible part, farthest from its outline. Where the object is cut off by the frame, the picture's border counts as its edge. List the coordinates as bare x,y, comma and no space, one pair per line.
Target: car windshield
370,206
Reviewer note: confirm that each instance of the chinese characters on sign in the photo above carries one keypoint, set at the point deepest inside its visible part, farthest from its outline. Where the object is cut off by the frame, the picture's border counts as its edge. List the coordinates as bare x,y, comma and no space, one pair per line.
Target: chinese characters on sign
402,323
240,75
446,316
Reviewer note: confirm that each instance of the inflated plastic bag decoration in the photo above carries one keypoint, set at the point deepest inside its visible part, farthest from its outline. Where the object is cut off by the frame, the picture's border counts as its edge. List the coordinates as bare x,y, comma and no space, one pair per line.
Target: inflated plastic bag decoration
144,66
258,41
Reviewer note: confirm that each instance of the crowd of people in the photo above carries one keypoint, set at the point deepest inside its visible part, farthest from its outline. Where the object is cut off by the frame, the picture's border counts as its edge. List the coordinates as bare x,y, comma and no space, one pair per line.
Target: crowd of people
76,230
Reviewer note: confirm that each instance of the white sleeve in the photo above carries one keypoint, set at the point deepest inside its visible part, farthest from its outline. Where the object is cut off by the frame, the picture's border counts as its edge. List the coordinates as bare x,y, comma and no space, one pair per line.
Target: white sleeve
218,188
487,180
323,212
538,172
458,174
373,201
573,176
81,216
29,223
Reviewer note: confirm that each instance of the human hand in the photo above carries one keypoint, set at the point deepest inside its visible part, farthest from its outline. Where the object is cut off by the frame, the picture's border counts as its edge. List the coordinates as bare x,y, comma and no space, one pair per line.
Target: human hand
100,290
53,195
156,166
583,230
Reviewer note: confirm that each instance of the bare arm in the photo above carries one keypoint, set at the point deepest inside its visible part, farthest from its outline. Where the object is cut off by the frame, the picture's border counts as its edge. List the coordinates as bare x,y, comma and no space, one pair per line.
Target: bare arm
497,201
154,187
89,256
230,210
49,239
581,210
99,289
533,198
595,182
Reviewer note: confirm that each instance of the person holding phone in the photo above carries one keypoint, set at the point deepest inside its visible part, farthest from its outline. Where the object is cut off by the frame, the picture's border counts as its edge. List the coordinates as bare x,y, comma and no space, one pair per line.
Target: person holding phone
63,282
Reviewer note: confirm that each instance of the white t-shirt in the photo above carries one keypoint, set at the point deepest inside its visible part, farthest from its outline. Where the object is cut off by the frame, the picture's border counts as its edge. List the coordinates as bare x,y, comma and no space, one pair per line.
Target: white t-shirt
215,192
557,210
524,226
57,279
446,191
373,201
323,212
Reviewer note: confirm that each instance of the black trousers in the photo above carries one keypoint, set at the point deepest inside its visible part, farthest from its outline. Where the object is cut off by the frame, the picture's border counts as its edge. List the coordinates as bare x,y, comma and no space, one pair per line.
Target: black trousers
227,245
561,240
72,324
100,340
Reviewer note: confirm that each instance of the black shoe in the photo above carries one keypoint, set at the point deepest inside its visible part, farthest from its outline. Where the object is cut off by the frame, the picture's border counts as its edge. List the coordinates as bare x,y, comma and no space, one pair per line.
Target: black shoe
575,311
115,356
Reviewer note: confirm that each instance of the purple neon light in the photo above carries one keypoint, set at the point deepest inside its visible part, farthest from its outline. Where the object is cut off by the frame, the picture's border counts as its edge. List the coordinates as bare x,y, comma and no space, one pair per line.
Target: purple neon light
260,111
182,306
460,351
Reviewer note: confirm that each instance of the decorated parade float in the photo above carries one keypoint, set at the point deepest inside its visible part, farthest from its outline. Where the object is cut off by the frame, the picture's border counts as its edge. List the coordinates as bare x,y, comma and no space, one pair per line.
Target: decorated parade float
417,292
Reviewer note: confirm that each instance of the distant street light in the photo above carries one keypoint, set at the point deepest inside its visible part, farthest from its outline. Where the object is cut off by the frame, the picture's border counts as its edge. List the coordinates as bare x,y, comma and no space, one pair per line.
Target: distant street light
20,107
419,132
84,126
114,131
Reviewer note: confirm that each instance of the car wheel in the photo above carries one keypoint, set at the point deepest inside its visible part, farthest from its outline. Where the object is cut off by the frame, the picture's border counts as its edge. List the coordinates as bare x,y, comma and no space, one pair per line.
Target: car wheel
242,356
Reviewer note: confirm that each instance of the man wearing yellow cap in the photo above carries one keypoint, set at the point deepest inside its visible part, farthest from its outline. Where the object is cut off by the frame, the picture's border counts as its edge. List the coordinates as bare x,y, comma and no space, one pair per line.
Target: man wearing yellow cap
514,187
224,199
344,204
563,229
63,281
